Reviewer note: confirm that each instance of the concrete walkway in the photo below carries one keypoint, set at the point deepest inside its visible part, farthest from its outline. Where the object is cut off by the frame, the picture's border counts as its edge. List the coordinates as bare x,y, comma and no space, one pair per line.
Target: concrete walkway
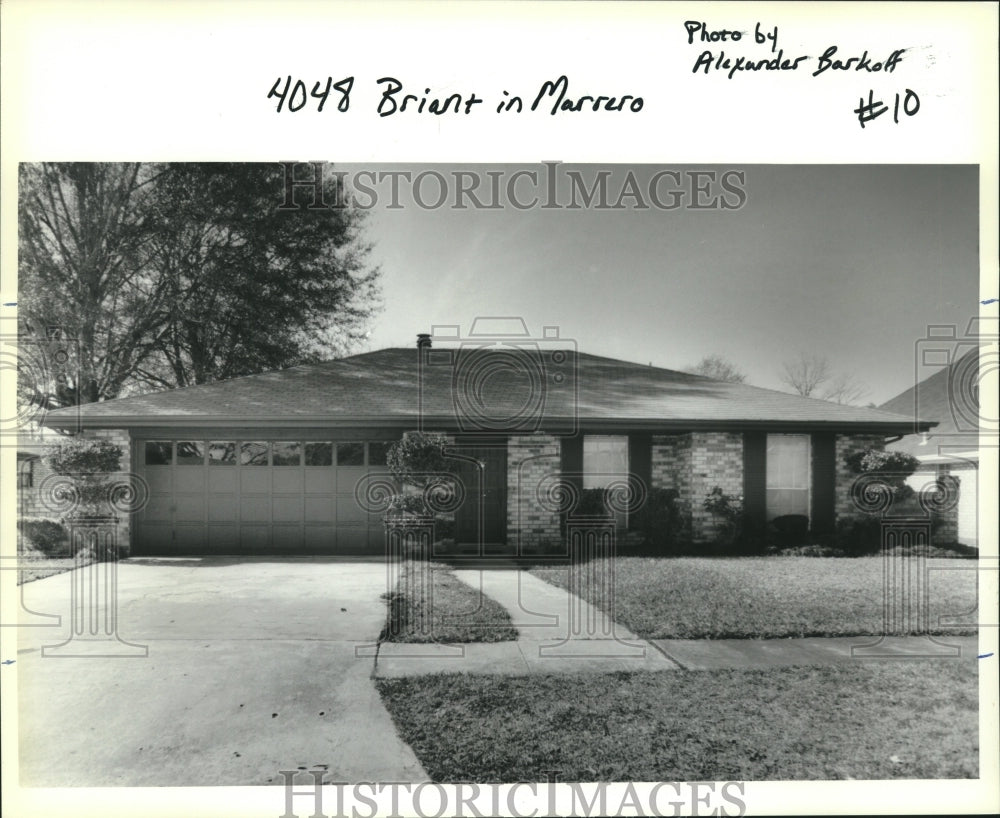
560,633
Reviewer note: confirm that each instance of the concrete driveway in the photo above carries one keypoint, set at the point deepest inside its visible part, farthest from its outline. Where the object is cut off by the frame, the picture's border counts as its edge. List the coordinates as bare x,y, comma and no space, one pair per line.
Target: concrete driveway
251,669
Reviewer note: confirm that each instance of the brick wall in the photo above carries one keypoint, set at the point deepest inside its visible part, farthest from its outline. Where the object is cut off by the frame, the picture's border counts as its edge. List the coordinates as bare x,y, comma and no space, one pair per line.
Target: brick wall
716,460
843,506
532,461
694,463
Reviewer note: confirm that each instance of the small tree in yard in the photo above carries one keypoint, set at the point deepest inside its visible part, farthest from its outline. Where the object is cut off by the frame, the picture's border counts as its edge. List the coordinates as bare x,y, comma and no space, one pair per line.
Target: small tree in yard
420,464
88,462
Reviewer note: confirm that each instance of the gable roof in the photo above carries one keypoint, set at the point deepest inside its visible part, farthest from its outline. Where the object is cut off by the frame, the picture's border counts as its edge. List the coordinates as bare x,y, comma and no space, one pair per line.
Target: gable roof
951,395
390,387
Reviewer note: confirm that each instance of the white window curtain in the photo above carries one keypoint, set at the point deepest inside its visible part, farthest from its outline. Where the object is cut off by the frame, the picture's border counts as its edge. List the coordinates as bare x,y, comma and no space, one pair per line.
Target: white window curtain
605,460
788,475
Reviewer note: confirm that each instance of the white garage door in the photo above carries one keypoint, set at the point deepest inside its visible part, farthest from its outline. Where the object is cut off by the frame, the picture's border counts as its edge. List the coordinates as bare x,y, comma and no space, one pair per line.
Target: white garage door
257,497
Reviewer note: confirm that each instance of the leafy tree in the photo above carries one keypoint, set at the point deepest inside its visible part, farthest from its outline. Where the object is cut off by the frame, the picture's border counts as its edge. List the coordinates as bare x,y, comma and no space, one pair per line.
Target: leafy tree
718,368
87,304
253,287
171,275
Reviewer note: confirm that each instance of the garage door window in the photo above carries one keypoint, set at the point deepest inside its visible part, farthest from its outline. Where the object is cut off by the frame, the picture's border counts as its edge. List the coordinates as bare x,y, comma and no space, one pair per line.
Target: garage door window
253,453
377,451
350,454
286,453
190,453
221,453
319,454
159,452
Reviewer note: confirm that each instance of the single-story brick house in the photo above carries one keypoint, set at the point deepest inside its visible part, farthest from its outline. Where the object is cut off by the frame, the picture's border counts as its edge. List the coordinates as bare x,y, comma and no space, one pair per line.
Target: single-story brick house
276,463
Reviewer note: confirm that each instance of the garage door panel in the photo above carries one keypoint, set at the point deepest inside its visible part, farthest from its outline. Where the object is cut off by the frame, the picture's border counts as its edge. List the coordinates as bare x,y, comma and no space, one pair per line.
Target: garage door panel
286,509
350,512
351,539
156,539
189,538
189,508
319,509
348,478
190,478
254,509
286,539
159,478
261,497
320,481
222,507
255,479
254,539
223,539
320,539
287,480
159,509
221,478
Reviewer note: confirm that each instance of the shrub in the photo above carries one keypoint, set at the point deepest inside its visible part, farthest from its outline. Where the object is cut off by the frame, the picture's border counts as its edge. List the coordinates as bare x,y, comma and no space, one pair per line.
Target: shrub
84,455
89,462
418,457
728,513
591,504
858,536
664,522
892,468
48,536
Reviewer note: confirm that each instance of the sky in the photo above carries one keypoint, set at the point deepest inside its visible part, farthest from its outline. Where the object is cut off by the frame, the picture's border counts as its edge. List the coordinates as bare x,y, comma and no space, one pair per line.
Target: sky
850,262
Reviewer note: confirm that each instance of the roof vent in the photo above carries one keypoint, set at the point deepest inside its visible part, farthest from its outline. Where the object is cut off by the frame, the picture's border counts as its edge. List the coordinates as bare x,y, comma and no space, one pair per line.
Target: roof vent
423,340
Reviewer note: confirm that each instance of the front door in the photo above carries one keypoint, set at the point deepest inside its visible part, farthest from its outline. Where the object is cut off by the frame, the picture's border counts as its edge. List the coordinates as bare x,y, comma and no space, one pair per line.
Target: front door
482,517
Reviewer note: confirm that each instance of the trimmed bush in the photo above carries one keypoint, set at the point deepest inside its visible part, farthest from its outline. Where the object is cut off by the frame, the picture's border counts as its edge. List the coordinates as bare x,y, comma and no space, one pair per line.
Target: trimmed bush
664,522
47,536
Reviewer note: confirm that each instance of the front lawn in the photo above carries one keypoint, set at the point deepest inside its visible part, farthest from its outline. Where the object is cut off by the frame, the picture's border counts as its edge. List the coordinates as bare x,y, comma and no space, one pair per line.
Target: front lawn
765,597
34,564
866,720
443,610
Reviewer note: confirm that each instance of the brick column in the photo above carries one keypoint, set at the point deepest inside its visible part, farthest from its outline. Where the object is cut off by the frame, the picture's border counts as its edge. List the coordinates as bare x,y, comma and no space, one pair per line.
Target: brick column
844,507
530,459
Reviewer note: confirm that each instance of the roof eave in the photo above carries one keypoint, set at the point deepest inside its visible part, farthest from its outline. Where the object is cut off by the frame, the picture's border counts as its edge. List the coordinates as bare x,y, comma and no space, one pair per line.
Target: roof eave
449,422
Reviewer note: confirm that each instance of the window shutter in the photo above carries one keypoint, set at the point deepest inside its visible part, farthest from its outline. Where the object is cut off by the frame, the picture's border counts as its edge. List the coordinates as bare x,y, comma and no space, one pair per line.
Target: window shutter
640,465
755,478
824,467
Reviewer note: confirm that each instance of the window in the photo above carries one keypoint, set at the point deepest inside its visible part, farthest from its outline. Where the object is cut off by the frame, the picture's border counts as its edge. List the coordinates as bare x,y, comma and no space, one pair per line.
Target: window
377,451
350,454
788,475
319,454
253,453
286,453
605,460
159,452
221,453
190,453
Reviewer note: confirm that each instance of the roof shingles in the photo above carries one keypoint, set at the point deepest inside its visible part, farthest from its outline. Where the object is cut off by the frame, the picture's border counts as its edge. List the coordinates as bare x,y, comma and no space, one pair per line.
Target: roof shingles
390,385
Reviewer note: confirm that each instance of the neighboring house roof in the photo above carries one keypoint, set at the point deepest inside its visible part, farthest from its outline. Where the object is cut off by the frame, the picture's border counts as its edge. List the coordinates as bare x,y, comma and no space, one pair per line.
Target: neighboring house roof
951,396
389,387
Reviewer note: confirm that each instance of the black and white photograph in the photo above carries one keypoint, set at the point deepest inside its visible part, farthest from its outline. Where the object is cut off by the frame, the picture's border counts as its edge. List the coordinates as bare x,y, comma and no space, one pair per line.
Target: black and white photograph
390,486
